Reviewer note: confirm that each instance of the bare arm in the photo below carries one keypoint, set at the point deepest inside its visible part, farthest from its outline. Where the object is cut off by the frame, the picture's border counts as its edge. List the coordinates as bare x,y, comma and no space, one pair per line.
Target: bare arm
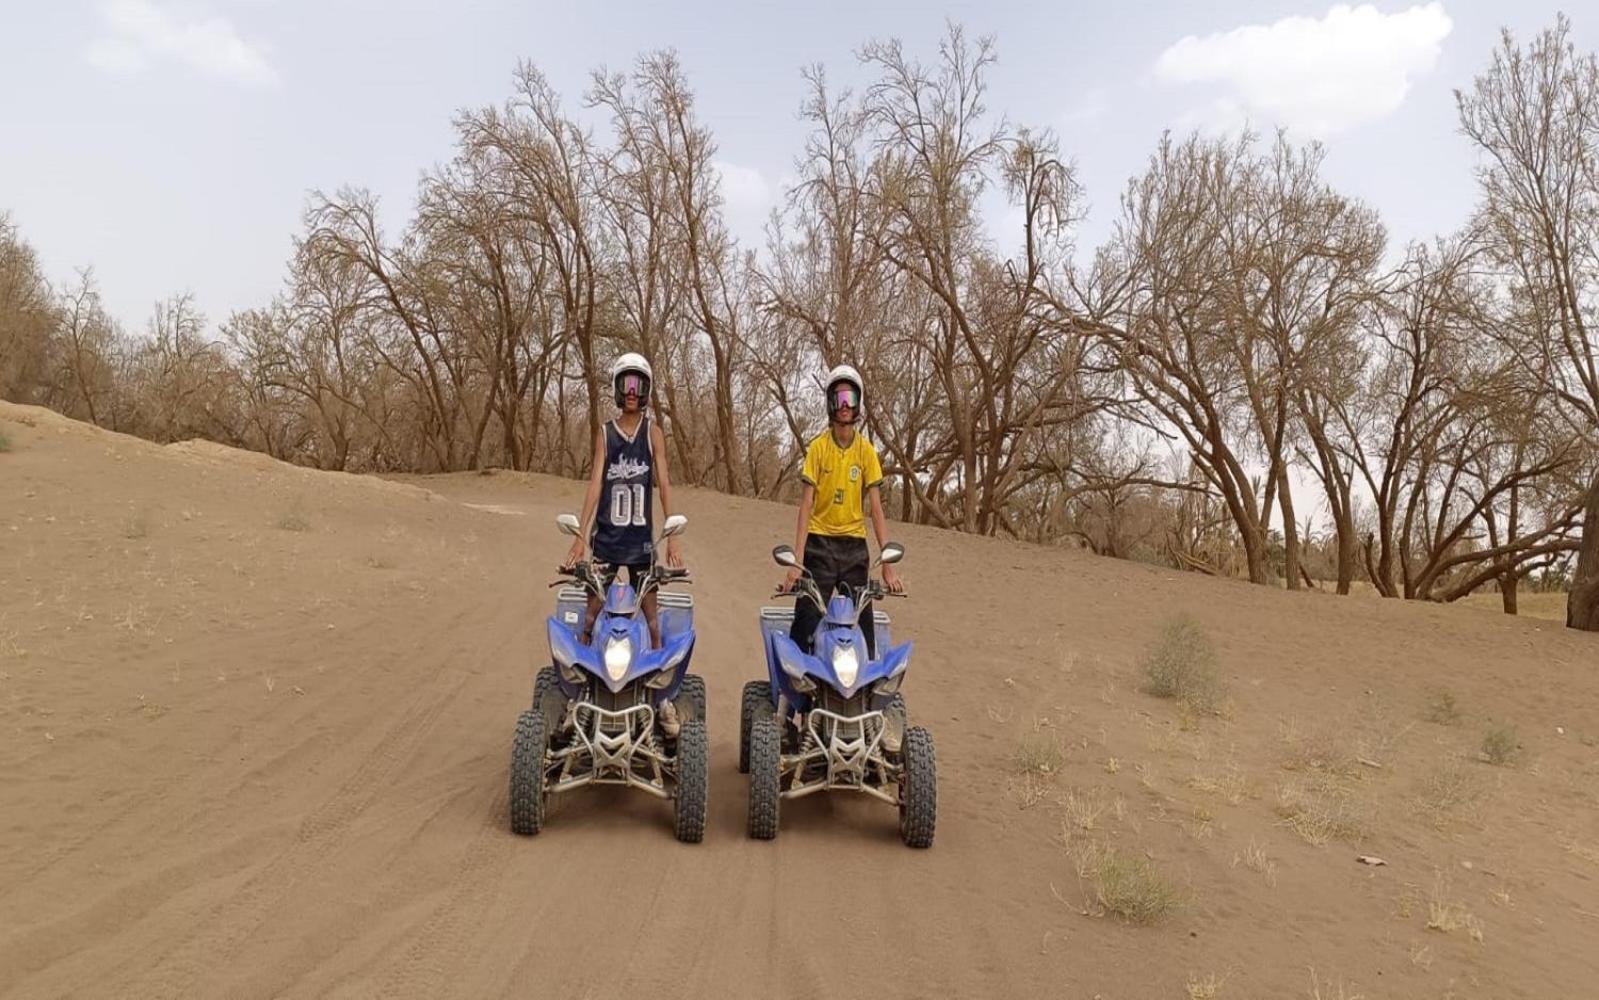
663,476
807,500
591,502
663,483
879,522
801,530
880,529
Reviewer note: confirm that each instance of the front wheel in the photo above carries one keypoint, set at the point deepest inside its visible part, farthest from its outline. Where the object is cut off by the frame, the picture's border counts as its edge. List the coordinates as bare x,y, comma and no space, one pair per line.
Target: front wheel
918,791
690,698
766,774
693,756
527,773
548,699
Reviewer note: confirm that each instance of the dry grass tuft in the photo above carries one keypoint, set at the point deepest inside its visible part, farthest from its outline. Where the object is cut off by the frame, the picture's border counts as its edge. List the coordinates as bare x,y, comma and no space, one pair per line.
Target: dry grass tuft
1447,915
1082,809
1446,790
1208,988
137,526
1320,811
1578,849
9,648
1324,749
1317,986
1029,790
1230,783
1041,752
1443,709
1254,858
1128,885
1181,664
1500,746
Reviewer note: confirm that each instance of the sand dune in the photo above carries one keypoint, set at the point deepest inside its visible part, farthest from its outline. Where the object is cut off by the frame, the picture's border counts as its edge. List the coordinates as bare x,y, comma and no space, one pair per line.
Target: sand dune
255,721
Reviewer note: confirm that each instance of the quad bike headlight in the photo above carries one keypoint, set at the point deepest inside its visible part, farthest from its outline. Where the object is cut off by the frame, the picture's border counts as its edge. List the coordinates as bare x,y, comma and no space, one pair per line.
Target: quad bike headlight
846,664
618,657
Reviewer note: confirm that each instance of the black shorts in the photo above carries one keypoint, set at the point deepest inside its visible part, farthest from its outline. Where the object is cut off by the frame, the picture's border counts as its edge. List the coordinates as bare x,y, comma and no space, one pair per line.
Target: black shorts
835,559
832,560
607,572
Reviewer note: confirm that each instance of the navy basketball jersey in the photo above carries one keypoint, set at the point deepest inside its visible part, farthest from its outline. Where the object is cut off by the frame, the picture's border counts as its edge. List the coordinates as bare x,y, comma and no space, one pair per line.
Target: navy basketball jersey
623,528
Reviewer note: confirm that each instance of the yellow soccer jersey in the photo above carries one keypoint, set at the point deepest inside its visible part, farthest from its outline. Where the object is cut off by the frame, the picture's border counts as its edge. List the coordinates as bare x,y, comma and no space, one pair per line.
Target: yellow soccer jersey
841,477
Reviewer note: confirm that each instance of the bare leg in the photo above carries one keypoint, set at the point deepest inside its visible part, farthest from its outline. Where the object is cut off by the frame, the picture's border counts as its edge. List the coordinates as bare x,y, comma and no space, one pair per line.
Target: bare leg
588,620
651,616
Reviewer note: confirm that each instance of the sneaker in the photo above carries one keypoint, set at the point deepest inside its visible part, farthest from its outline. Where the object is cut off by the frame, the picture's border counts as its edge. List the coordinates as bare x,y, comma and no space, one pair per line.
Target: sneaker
894,727
670,723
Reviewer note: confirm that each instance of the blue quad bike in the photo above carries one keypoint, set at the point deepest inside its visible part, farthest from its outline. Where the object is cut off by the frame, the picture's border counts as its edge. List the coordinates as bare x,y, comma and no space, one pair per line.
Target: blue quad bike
596,713
834,720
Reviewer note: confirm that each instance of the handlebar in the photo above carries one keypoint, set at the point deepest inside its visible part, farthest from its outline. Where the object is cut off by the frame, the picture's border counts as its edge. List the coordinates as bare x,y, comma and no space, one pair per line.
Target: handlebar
863,597
583,573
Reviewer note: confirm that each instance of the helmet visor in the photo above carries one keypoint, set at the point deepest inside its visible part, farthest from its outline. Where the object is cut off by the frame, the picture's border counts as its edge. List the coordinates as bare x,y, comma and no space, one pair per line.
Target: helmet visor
632,384
843,394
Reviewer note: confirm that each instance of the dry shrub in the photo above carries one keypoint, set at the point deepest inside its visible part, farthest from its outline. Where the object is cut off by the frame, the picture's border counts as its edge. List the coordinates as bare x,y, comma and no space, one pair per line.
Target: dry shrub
1040,752
1445,790
1500,746
1443,709
1181,664
1321,811
1128,885
1449,915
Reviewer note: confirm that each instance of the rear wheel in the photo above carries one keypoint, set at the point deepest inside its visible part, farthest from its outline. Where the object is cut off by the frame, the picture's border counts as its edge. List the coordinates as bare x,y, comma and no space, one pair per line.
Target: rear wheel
527,773
918,793
756,702
766,774
693,752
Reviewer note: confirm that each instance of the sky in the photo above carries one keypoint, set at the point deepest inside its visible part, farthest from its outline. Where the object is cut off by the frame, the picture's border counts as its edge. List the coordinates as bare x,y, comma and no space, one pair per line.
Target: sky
171,144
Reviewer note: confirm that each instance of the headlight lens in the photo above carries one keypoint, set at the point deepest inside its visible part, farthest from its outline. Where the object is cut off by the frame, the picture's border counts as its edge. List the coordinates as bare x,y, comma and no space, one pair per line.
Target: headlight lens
618,656
846,664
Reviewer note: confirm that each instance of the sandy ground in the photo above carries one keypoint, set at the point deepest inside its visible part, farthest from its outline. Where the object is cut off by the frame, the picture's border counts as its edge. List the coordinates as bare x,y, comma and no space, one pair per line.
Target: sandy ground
255,724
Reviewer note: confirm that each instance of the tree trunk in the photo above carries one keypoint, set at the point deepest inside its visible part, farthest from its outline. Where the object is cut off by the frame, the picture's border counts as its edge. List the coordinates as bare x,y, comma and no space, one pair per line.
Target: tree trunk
1582,605
1348,552
1507,592
1285,502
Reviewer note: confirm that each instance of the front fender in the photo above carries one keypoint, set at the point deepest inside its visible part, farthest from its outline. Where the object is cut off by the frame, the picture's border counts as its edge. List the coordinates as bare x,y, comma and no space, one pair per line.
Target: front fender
887,667
792,662
566,651
674,656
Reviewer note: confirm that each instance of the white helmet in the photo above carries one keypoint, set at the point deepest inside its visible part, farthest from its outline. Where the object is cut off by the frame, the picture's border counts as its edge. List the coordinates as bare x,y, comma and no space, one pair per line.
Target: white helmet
630,362
848,374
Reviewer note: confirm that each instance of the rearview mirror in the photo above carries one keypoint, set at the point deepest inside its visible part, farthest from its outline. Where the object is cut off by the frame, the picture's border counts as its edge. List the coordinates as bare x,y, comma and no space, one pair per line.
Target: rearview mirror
893,552
674,525
784,556
568,524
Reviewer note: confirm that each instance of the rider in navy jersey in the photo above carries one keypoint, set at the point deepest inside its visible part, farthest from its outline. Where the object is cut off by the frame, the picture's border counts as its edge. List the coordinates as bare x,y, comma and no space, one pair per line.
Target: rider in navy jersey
629,459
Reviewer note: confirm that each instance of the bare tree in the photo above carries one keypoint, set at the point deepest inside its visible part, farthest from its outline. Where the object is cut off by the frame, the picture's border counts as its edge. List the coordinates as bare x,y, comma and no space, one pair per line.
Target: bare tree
1535,115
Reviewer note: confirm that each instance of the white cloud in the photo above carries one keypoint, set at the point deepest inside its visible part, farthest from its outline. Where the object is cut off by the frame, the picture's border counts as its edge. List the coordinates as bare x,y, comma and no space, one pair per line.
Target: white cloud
1091,106
747,198
139,33
743,188
1315,75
